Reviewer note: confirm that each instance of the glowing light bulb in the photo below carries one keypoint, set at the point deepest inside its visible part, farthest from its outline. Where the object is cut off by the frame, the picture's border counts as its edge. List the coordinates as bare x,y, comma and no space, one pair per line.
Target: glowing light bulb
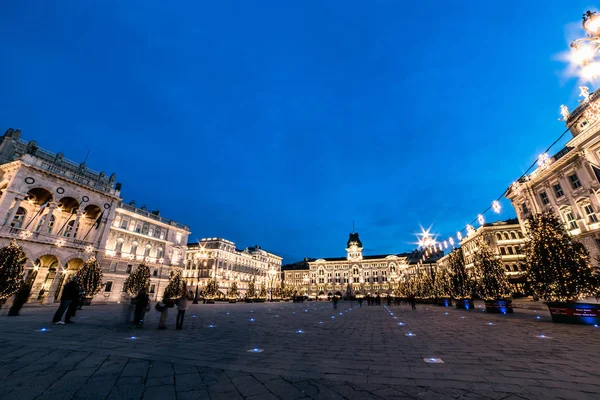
496,206
43,329
251,319
459,236
480,219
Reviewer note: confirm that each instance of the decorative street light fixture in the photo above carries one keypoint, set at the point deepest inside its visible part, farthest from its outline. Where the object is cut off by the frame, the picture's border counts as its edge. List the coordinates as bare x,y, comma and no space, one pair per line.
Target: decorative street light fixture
201,255
272,273
584,51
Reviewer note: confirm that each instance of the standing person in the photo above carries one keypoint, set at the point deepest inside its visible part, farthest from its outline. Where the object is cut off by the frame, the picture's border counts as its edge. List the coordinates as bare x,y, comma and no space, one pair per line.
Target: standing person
70,291
182,306
378,300
335,301
142,301
163,307
360,300
389,300
75,304
413,301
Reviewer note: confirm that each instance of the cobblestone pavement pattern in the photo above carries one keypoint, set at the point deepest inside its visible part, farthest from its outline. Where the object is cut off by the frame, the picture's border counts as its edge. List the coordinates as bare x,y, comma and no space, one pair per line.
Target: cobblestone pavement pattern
305,351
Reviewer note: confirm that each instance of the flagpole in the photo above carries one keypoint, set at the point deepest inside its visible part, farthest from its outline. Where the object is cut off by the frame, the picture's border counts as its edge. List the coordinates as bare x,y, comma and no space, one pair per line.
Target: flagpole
42,208
96,224
66,222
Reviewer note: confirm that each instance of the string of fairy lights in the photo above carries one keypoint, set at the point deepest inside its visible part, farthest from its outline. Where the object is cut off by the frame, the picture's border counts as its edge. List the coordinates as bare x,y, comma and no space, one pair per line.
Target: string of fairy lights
429,243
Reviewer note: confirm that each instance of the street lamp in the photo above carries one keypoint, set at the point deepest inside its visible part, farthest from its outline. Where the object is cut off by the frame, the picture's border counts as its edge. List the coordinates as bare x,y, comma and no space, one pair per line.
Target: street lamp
201,255
585,50
272,273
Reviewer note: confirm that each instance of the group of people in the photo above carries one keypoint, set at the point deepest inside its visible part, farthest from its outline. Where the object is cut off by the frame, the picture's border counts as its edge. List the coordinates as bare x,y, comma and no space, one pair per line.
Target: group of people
142,306
391,300
70,300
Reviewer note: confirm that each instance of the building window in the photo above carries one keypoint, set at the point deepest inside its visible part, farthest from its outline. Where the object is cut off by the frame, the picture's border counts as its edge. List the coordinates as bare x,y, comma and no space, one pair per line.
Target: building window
592,218
575,183
155,272
119,245
129,267
571,220
513,236
524,208
159,252
138,227
152,288
50,224
558,191
69,229
134,247
124,223
112,267
108,287
544,198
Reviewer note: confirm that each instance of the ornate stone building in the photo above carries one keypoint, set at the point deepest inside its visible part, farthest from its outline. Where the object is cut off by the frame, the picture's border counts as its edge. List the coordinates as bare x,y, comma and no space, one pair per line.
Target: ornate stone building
506,239
568,183
217,257
139,236
62,213
355,273
58,210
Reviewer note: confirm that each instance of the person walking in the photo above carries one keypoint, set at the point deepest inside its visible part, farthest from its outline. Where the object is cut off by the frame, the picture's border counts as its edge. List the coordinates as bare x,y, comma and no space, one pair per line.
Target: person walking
413,301
182,306
142,301
70,292
335,301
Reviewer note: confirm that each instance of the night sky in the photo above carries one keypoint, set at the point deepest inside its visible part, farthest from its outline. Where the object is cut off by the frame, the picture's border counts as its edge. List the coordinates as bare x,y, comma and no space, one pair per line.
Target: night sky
278,124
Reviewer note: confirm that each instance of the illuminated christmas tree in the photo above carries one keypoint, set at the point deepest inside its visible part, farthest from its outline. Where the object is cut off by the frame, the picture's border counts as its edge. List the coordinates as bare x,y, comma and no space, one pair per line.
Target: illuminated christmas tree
263,292
211,289
12,260
174,288
232,292
137,280
488,273
90,277
462,284
558,266
443,284
251,292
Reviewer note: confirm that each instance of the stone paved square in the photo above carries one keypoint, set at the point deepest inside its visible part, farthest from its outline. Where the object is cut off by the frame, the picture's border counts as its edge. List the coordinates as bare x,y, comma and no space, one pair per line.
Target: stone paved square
310,351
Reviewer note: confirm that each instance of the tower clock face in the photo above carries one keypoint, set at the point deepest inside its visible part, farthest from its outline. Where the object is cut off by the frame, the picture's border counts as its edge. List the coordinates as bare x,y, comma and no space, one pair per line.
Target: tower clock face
354,247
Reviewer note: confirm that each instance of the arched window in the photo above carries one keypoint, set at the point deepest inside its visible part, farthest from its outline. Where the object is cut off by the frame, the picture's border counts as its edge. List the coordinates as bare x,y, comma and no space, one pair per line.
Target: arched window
512,235
42,220
520,235
505,235
19,217
69,229
502,251
498,236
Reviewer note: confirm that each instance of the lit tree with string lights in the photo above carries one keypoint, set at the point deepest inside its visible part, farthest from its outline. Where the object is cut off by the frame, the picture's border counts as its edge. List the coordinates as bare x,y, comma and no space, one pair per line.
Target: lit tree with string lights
489,278
251,292
233,292
262,294
174,288
462,284
137,280
442,289
558,268
90,277
12,261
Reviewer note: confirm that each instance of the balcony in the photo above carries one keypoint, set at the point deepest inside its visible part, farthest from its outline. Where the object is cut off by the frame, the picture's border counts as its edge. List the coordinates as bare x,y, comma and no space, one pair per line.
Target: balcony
58,241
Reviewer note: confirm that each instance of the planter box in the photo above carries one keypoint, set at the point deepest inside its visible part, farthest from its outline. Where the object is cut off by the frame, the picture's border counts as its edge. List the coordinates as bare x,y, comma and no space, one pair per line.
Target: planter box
87,301
575,313
464,304
499,306
444,302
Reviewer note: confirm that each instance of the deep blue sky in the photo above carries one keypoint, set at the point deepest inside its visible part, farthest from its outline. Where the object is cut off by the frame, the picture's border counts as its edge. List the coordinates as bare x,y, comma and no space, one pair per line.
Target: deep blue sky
277,124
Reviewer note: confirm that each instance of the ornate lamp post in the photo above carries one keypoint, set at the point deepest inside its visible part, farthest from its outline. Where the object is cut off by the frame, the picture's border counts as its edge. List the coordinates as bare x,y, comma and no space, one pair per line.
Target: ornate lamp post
202,255
584,51
272,273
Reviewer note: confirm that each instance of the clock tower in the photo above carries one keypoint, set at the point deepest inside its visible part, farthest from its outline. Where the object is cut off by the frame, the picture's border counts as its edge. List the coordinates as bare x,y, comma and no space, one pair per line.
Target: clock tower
354,248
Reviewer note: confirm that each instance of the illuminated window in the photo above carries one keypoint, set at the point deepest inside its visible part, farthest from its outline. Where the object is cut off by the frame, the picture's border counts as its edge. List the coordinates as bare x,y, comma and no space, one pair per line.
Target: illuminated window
592,218
571,220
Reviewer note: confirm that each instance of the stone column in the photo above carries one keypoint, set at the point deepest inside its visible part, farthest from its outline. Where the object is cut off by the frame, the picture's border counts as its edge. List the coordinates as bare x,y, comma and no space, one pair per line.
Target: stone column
44,227
13,210
76,223
52,290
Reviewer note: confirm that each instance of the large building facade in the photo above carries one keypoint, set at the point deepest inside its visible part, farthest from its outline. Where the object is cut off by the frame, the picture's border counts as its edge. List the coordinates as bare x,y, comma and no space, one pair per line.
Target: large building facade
139,236
568,183
506,239
219,258
354,274
62,213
